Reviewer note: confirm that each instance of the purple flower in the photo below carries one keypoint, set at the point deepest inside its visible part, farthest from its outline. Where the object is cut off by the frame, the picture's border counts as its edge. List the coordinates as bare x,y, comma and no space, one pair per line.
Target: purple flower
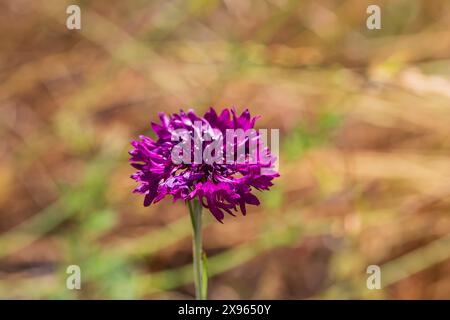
224,185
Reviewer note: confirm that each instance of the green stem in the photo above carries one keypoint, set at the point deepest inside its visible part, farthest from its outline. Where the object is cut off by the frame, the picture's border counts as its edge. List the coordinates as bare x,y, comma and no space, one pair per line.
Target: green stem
199,258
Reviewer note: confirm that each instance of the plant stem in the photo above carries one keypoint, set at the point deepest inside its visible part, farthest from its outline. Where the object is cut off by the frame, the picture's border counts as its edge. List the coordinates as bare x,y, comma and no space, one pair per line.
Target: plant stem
199,258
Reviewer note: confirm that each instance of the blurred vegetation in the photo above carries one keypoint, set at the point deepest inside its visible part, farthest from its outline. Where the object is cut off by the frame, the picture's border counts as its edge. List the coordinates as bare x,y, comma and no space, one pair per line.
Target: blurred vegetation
364,125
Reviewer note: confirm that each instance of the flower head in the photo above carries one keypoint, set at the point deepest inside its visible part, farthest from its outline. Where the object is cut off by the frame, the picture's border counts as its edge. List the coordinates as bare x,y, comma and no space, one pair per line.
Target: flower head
221,183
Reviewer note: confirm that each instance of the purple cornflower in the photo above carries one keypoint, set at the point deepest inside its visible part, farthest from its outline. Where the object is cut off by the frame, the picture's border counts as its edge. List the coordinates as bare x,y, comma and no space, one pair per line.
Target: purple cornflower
220,186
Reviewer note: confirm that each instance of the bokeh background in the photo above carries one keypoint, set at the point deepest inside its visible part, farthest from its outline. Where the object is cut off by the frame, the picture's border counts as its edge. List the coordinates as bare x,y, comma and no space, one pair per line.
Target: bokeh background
364,119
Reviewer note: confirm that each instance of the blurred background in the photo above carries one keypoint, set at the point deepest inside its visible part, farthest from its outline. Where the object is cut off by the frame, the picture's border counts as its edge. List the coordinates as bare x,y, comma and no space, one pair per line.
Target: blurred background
364,119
